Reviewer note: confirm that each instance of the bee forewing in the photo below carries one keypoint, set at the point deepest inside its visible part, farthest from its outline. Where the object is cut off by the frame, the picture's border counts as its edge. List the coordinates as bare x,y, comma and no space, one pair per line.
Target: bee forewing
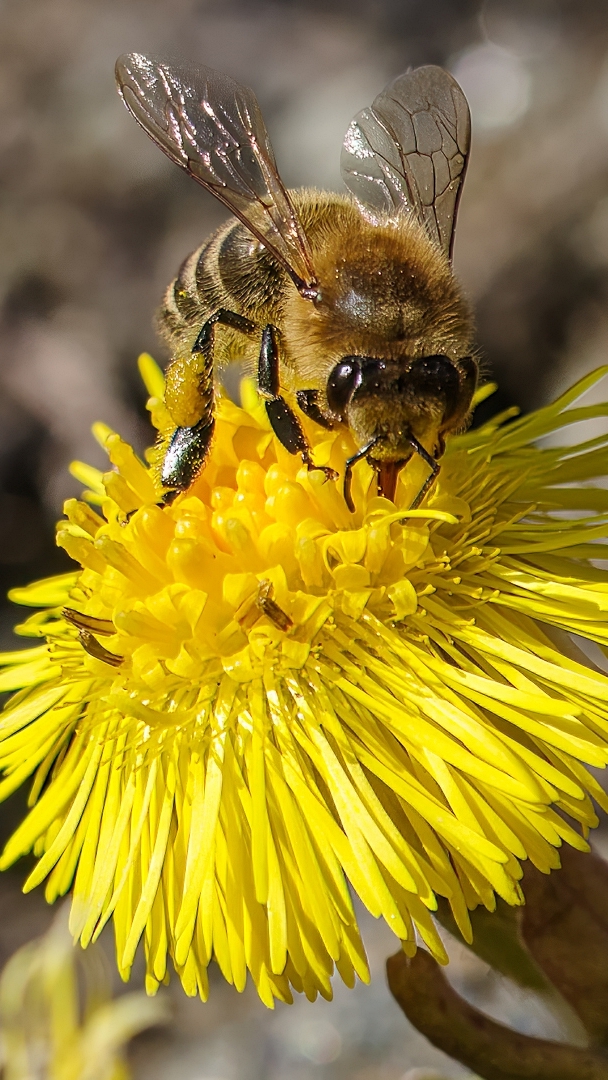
213,128
408,151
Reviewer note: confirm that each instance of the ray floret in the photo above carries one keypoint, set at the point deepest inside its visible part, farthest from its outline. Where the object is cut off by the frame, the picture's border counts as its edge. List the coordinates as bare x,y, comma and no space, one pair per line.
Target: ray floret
245,707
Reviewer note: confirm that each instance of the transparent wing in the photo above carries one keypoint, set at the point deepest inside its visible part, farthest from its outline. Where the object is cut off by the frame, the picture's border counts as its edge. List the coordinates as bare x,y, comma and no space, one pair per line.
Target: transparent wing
408,151
213,128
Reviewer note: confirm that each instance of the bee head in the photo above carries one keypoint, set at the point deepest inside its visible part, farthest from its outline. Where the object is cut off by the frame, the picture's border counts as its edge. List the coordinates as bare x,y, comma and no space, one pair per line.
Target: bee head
387,401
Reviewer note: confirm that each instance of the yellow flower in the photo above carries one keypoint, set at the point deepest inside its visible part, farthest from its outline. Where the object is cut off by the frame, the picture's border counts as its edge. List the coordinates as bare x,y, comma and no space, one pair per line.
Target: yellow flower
57,1021
253,701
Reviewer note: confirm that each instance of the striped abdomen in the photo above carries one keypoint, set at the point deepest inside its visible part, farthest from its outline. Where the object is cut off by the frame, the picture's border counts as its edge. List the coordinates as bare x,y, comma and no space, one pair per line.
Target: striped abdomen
231,270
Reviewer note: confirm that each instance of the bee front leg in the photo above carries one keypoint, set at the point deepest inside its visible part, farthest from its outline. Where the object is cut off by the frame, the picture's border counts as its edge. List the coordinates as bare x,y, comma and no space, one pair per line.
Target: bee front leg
283,420
434,473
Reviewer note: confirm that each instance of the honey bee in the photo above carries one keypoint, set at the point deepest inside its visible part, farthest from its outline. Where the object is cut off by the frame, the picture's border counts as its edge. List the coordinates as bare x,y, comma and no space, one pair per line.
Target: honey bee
346,305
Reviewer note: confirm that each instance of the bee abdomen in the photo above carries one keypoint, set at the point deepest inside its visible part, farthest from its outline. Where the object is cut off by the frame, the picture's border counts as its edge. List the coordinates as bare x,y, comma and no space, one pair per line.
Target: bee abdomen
206,281
251,278
232,270
185,292
180,307
190,298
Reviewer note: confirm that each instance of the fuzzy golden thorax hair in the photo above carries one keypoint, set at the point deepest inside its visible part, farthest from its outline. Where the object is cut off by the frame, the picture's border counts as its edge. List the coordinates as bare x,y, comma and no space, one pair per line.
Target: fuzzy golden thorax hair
386,291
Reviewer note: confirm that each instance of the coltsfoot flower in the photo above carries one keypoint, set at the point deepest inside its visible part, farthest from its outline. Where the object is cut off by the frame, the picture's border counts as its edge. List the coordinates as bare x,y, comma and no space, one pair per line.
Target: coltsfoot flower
252,703
57,1020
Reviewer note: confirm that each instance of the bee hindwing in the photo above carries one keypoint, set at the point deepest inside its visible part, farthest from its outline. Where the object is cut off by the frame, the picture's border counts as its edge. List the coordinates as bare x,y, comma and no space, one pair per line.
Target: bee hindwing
408,151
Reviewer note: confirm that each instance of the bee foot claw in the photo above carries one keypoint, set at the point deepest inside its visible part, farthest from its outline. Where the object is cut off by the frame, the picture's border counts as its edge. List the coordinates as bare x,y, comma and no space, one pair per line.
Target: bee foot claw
330,474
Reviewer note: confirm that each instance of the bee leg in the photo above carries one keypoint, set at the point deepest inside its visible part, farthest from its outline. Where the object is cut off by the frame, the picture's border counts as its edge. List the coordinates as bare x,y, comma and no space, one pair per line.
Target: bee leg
433,466
307,400
283,420
204,341
348,472
185,457
189,446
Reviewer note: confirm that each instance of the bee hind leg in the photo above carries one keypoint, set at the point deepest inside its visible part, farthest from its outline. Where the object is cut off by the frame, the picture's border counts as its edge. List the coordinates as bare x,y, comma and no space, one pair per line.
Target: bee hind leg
185,457
224,317
283,420
187,451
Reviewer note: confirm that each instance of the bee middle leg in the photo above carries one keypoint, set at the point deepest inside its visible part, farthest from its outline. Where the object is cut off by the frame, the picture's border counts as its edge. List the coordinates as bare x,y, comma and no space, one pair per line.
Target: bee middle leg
283,420
309,404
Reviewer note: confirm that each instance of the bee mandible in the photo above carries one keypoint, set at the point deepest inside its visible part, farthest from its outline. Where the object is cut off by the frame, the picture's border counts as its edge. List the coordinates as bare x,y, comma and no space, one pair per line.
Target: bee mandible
345,305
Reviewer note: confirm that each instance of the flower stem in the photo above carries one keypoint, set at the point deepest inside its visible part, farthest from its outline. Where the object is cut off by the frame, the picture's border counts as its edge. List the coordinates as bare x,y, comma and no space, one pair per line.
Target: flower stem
492,1050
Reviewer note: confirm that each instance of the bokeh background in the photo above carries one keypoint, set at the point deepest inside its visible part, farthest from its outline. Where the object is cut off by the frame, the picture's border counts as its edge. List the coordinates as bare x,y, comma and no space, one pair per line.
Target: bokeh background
94,222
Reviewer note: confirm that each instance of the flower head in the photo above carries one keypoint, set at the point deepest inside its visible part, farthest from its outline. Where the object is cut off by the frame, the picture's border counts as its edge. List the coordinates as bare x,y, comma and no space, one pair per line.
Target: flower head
253,699
57,1020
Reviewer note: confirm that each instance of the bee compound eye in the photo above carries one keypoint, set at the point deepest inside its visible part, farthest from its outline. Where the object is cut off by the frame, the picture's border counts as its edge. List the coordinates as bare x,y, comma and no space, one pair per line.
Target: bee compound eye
342,383
433,375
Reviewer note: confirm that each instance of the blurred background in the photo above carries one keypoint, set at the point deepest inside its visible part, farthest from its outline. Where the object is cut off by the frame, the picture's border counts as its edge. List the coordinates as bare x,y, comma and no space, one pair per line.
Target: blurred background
94,222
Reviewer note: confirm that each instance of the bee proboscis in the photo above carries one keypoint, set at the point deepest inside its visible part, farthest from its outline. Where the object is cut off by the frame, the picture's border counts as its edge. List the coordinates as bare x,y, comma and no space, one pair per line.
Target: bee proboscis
346,305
